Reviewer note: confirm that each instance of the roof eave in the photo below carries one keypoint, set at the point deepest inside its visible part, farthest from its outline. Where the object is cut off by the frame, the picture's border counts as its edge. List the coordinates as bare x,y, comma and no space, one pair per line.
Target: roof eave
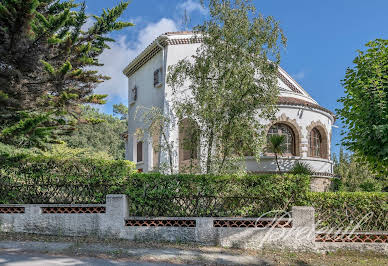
144,53
283,101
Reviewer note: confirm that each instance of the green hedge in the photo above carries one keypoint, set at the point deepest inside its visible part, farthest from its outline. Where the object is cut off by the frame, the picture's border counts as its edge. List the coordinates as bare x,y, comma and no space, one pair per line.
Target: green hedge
26,178
39,179
206,195
339,210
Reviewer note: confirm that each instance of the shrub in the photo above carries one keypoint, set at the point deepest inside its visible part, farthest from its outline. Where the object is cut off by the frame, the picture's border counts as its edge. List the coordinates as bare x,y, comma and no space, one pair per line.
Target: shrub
207,195
9,151
64,151
26,178
339,209
301,168
40,179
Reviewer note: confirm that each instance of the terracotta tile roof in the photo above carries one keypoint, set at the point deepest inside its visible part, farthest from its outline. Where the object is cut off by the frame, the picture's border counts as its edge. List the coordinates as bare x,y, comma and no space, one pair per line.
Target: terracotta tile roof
300,102
184,41
179,33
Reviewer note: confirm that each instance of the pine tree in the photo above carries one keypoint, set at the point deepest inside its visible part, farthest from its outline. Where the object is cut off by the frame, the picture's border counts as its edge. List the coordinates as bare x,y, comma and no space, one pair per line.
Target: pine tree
47,66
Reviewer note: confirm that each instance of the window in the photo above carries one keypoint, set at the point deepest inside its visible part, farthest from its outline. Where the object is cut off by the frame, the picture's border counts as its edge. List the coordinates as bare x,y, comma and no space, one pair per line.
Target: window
139,151
282,129
158,77
315,143
189,139
134,94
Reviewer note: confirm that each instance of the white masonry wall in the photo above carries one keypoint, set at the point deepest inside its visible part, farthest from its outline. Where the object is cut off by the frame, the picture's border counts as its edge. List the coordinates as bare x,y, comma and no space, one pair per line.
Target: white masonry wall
304,117
148,96
112,225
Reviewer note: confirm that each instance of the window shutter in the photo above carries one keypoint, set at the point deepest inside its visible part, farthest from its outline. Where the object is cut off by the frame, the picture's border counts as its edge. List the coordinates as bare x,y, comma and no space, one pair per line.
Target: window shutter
156,77
134,93
139,151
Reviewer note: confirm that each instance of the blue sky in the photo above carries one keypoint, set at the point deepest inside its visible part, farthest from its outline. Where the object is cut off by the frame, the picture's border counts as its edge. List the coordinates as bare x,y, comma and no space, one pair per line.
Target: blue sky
323,37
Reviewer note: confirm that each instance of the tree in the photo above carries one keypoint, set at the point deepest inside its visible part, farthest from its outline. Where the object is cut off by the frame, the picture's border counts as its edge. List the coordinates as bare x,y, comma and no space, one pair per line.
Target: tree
47,66
121,110
63,151
98,133
232,79
276,145
355,174
365,105
157,125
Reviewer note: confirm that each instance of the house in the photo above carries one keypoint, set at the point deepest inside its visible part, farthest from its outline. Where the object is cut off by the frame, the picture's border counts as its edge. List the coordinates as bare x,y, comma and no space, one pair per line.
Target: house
306,125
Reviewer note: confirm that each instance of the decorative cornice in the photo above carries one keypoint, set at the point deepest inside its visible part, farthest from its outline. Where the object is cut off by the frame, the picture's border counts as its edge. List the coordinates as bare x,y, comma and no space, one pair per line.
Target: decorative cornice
313,174
288,83
180,33
141,60
300,102
184,41
153,49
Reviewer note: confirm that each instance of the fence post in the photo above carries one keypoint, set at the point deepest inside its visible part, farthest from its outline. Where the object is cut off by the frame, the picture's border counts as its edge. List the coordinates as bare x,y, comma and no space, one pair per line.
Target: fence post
205,233
32,210
117,205
112,223
303,225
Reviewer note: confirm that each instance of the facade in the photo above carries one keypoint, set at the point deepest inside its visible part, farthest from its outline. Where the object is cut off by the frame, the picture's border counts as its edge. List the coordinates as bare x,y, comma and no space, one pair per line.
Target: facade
305,123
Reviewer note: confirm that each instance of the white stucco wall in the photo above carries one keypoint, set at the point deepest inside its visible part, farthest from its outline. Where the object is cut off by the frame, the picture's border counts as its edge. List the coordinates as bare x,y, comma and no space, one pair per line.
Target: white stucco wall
149,96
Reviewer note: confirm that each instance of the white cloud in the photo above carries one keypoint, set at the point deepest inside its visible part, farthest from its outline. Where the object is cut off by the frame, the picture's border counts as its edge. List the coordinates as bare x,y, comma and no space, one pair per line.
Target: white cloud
122,52
191,6
300,75
149,33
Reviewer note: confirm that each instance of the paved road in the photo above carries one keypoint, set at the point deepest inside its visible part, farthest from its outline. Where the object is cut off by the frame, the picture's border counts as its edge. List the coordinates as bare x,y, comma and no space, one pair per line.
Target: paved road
25,259
37,253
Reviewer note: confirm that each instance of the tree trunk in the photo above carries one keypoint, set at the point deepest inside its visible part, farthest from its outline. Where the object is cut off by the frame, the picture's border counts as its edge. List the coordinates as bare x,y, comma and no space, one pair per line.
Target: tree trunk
277,162
169,153
223,161
209,153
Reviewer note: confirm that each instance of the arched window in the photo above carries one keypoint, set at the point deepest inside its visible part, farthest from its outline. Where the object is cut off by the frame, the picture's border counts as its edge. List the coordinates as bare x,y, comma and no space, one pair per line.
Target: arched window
188,140
283,129
315,143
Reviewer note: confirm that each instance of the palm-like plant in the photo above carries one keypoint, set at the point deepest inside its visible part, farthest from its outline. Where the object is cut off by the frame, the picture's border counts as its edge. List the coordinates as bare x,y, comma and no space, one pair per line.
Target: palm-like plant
276,145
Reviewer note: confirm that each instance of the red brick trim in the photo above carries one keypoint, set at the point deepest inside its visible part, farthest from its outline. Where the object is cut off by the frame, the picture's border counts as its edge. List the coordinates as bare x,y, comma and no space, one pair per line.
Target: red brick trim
352,238
12,210
253,223
67,210
288,83
160,222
